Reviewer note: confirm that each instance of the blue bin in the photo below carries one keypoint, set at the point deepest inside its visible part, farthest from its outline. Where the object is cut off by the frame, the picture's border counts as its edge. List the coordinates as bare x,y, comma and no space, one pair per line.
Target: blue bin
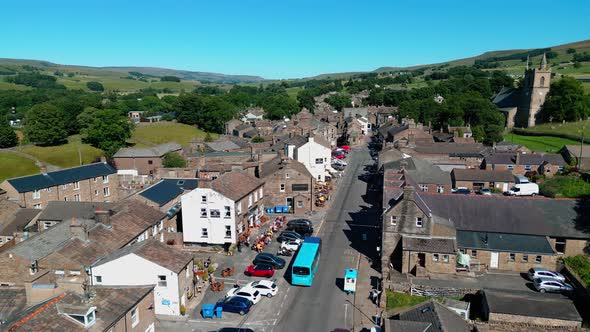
269,210
218,311
278,209
207,311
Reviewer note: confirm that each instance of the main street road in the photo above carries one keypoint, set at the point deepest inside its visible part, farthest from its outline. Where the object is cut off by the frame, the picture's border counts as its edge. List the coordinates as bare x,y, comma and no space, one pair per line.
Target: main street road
324,306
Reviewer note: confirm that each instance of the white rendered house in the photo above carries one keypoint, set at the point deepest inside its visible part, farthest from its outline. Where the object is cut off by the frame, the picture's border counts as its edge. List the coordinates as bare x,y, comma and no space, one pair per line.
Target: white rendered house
315,154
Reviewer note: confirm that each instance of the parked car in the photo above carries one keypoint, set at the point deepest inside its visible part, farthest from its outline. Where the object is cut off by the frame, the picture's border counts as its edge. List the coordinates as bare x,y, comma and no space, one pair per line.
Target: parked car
266,287
269,259
339,162
247,292
461,191
235,329
237,304
485,191
294,222
303,230
539,272
338,155
260,270
290,245
346,148
338,167
551,285
523,189
290,236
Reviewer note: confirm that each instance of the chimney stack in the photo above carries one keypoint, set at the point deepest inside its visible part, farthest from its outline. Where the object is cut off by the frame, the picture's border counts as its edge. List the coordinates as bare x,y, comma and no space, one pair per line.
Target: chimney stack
408,192
78,230
517,159
103,216
103,159
43,169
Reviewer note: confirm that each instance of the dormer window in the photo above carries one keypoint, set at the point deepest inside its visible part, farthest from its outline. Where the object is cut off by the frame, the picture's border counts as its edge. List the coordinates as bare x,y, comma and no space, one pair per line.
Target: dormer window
87,319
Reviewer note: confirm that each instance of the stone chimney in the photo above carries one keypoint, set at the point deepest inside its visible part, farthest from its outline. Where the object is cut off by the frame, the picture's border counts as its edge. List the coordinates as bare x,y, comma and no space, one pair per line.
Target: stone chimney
43,169
77,230
408,192
103,216
517,159
103,159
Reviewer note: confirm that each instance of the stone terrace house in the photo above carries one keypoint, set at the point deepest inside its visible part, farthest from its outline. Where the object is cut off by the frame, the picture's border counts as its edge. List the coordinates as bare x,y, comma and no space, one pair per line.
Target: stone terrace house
287,182
89,183
105,309
313,152
150,263
224,210
231,125
522,163
449,155
496,232
421,174
430,316
143,161
58,211
476,179
15,227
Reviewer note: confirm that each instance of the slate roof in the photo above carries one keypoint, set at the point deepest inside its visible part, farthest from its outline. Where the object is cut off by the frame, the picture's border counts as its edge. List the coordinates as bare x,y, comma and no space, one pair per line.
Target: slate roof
482,175
574,150
222,145
420,171
389,155
8,210
244,126
438,317
296,140
235,185
392,131
272,166
504,242
506,98
68,175
153,152
12,301
537,159
110,302
155,252
443,246
21,219
322,141
531,304
530,216
476,150
62,210
168,189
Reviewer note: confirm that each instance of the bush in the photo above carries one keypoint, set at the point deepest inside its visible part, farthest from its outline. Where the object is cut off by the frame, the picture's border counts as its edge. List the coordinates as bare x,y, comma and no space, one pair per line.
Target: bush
95,86
568,186
173,160
257,139
581,266
170,79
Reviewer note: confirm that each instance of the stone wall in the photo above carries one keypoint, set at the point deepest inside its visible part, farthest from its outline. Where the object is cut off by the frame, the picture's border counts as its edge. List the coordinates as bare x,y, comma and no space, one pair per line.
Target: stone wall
528,321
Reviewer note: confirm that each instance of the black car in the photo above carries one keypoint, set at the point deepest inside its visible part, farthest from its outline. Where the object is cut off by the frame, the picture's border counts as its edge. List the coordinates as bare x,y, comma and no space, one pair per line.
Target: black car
235,329
461,191
270,259
304,230
294,222
289,236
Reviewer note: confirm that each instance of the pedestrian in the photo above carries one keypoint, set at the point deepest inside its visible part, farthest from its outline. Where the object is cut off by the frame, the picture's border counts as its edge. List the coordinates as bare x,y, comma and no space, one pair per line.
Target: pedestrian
374,294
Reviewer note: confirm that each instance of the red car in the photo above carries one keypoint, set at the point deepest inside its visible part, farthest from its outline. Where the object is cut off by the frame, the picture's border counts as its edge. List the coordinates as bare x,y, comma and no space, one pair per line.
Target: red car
338,155
345,148
260,270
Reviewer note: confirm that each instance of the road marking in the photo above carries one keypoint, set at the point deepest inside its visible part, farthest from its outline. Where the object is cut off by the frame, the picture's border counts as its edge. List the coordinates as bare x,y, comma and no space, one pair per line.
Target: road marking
317,232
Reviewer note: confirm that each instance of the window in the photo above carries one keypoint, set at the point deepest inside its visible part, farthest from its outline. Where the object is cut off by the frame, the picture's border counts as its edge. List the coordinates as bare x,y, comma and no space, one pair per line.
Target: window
463,251
424,187
48,190
239,208
63,186
213,177
527,167
228,232
134,317
319,161
203,199
215,213
204,233
440,189
418,222
95,192
538,259
560,245
106,192
260,192
161,225
250,200
282,189
393,220
65,198
76,197
560,168
255,196
60,272
74,272
95,179
105,179
98,279
299,204
36,194
37,206
435,257
76,185
510,167
446,258
286,175
203,213
525,258
474,253
542,80
162,281
319,178
548,170
227,212
150,162
511,257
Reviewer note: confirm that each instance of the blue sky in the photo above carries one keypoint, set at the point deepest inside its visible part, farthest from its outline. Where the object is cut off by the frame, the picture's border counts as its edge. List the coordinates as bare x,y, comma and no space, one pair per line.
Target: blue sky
281,38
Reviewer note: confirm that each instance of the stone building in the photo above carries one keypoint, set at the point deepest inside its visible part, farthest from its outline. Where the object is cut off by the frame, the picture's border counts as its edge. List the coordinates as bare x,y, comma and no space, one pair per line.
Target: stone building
143,161
476,179
522,163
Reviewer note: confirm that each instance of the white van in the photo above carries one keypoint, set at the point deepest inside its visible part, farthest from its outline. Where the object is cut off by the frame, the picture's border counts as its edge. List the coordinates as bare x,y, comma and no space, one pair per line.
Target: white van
523,189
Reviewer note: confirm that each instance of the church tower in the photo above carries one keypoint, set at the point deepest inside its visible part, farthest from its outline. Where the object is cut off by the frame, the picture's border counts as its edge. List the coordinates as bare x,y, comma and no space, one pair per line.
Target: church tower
535,89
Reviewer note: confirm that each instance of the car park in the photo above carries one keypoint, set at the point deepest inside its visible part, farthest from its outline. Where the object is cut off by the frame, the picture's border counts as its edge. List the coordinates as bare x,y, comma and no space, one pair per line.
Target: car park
269,259
290,236
551,285
539,272
260,270
247,292
266,287
290,245
237,304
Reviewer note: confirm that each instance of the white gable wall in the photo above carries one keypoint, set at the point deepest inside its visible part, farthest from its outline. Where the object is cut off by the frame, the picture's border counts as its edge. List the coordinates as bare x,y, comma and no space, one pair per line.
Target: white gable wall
307,155
193,223
133,270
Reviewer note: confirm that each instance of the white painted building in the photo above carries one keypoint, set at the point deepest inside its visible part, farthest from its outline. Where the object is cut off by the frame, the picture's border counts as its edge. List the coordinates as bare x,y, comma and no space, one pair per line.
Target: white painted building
315,154
365,125
149,263
219,214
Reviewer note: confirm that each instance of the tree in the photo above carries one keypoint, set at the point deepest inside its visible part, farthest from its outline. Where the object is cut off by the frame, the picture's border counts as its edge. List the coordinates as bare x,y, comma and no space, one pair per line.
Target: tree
45,124
551,55
95,86
257,139
566,100
305,99
208,137
173,160
499,80
571,50
8,137
108,131
85,118
169,79
338,101
209,113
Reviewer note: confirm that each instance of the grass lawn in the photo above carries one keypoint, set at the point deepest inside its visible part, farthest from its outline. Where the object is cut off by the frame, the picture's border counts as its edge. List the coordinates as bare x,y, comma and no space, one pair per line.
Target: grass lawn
65,155
159,133
565,186
12,166
568,128
581,266
540,143
397,301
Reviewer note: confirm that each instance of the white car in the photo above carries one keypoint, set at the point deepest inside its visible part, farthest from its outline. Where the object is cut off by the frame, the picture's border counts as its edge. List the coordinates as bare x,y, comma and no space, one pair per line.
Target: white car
266,287
250,293
290,245
339,162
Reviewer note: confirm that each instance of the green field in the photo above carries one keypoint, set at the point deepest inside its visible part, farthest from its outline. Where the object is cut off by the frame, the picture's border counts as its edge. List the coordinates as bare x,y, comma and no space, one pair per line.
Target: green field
159,133
66,155
292,92
573,129
539,143
12,166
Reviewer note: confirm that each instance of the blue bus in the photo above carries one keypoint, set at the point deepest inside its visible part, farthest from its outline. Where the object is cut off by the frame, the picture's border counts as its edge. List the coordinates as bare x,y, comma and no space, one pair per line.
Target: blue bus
307,261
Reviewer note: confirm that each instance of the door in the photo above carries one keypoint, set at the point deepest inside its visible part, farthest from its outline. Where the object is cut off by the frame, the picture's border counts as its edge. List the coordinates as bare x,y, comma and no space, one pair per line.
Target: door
494,260
290,204
504,187
422,259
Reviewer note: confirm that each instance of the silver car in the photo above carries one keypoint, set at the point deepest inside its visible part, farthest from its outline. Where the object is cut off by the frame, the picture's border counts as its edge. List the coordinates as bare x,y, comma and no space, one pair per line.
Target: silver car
539,272
551,285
